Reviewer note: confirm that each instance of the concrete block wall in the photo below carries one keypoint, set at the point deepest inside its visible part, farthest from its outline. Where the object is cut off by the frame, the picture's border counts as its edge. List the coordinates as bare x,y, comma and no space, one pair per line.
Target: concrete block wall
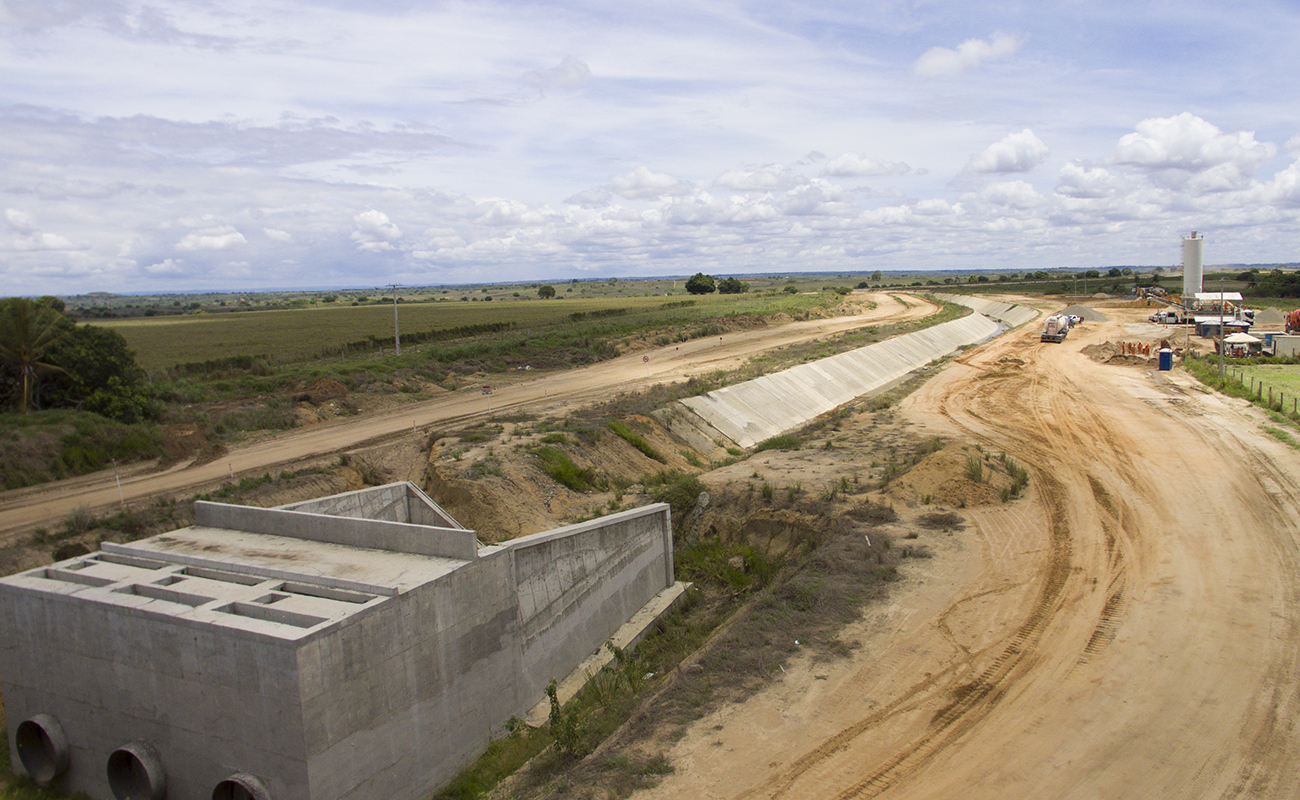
212,702
376,534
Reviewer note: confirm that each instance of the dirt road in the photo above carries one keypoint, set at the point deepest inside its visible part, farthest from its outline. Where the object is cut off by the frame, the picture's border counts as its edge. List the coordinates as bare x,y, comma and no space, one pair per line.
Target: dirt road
1129,629
23,509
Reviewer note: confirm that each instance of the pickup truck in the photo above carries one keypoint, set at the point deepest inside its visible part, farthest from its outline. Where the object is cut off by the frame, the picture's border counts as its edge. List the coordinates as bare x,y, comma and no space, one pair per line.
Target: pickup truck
1165,317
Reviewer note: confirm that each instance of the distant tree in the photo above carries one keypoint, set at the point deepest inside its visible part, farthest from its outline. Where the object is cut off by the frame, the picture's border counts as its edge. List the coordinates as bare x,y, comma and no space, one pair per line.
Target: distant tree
546,291
732,286
27,331
699,283
791,290
876,276
862,285
1092,273
1113,272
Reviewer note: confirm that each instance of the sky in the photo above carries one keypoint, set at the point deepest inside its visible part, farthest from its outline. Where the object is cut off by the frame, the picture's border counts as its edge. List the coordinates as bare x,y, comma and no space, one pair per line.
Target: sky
225,145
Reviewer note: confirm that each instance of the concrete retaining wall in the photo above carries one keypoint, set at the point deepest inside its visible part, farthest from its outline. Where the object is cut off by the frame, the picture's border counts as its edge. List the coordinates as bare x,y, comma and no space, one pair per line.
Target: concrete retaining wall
396,502
1010,314
751,412
425,689
375,534
577,584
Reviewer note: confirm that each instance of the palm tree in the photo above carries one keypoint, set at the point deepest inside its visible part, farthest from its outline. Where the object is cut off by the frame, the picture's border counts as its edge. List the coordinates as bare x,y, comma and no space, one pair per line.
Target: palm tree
27,330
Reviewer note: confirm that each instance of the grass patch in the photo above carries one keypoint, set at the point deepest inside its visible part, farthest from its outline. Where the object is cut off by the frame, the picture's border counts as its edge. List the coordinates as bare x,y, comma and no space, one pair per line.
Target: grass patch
786,441
633,438
50,445
557,464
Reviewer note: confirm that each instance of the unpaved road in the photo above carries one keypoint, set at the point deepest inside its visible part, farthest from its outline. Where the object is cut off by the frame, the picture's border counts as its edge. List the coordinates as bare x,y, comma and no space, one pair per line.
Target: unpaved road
1129,629
24,509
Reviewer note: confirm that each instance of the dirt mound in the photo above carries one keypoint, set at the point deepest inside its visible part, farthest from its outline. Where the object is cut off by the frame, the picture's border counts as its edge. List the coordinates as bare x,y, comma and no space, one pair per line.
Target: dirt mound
323,389
949,478
1086,313
1110,352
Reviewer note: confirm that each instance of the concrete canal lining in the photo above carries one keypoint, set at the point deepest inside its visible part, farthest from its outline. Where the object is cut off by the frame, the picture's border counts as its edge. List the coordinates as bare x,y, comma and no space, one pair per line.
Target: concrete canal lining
751,412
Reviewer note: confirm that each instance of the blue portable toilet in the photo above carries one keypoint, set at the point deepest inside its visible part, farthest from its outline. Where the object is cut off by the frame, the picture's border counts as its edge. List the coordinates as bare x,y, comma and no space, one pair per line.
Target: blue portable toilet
1166,360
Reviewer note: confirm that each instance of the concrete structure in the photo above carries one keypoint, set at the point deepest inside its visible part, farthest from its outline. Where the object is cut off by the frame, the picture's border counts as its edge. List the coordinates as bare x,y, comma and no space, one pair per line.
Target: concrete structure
1193,266
358,646
747,413
1012,315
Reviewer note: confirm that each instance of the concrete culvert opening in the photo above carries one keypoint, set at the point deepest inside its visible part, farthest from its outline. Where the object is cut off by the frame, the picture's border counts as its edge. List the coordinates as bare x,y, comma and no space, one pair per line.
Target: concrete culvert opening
135,772
42,748
241,786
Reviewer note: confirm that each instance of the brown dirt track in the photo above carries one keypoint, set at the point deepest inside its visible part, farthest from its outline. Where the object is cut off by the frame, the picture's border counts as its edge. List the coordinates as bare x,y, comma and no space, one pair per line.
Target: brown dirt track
553,393
1127,630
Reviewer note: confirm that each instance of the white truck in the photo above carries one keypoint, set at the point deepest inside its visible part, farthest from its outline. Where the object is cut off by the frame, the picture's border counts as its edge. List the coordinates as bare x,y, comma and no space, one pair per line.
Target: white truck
1055,328
1167,316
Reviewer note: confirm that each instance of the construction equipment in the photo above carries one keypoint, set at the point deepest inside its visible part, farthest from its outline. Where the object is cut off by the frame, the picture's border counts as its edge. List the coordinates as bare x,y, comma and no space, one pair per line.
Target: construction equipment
1055,328
1293,321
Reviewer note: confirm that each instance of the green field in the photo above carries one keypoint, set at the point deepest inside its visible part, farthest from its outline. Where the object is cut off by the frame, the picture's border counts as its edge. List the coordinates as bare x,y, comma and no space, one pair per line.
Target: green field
1281,377
303,334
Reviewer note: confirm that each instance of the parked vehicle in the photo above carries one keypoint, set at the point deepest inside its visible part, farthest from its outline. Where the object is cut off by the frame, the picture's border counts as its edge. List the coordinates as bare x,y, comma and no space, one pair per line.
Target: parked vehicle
1166,317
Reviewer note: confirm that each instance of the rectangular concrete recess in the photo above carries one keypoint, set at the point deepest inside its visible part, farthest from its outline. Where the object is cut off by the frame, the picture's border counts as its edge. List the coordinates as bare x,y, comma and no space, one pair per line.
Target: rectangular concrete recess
358,646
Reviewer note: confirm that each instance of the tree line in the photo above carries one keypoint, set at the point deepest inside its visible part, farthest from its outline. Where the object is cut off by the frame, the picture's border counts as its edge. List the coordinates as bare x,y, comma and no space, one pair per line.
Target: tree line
49,361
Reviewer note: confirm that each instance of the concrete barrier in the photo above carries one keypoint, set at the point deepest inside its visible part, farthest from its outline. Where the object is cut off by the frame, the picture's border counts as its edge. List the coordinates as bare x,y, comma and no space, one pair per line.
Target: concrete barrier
751,412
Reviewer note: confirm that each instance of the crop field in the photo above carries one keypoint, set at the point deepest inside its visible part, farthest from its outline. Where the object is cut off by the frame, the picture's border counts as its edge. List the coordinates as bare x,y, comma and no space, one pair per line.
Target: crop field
303,334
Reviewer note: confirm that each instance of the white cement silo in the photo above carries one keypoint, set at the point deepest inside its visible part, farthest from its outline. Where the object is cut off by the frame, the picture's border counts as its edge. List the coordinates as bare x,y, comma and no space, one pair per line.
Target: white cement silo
1193,250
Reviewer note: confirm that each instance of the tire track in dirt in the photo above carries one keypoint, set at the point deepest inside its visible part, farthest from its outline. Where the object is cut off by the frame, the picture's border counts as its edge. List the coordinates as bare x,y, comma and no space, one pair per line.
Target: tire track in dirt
972,700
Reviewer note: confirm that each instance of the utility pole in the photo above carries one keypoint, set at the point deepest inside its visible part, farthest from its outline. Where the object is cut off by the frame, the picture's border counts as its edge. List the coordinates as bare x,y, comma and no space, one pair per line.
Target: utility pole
397,334
1220,326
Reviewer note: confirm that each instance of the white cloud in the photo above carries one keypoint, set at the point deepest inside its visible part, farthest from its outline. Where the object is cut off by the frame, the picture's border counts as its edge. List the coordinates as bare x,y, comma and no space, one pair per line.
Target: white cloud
769,178
1012,194
1016,152
852,165
513,212
643,183
569,74
374,232
1187,150
219,238
1293,145
284,237
27,238
942,61
590,198
1085,182
166,267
